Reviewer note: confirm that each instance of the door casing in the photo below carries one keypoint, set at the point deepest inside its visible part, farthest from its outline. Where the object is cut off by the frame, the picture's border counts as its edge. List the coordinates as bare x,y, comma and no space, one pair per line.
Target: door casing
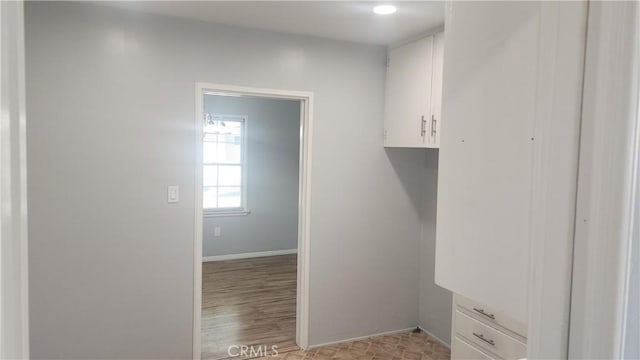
304,201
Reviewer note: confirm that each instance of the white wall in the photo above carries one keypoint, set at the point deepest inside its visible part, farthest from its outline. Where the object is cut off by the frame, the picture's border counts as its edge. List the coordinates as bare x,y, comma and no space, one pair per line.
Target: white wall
435,301
111,102
273,154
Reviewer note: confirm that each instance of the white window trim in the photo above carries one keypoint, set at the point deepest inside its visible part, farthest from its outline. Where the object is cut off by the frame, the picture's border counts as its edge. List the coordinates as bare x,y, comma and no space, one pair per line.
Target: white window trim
210,213
243,210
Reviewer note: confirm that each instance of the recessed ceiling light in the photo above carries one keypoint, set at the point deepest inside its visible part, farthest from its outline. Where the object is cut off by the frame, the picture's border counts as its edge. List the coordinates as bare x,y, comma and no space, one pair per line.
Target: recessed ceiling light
384,9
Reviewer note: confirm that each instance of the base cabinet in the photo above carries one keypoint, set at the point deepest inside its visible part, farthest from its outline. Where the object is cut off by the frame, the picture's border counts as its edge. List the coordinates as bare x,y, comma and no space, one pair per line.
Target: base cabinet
479,332
463,350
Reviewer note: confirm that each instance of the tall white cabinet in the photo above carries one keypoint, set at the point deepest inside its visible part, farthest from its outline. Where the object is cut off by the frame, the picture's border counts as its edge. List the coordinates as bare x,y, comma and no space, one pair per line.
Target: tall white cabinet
507,174
414,94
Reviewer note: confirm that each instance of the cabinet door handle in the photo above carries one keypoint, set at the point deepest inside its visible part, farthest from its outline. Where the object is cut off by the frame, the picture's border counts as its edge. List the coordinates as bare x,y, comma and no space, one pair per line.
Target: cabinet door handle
423,124
433,125
482,312
481,337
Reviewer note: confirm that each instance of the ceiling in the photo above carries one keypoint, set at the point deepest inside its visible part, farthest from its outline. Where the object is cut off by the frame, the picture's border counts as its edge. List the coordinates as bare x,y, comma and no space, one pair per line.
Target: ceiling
340,20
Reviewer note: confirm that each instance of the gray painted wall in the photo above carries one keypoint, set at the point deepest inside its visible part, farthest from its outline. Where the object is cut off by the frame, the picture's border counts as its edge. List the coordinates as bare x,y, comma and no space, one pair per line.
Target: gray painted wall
273,153
435,301
110,100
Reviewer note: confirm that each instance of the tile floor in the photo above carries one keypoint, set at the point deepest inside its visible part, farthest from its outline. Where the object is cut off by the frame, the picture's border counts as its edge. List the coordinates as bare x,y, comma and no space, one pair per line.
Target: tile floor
400,346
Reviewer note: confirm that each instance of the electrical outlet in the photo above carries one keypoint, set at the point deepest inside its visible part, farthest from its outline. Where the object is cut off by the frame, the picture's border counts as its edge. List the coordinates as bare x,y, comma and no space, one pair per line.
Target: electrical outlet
216,231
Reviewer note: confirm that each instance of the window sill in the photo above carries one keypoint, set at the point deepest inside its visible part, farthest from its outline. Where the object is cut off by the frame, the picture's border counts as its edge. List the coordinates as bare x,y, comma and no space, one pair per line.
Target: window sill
212,214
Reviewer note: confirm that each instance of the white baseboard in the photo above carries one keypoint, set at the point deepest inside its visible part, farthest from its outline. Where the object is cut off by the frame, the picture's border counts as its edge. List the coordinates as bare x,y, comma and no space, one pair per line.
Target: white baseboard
442,342
362,337
249,255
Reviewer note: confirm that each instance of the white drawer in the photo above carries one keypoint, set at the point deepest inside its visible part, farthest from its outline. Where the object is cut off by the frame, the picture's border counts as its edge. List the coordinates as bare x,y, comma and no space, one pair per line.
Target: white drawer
464,351
488,338
490,315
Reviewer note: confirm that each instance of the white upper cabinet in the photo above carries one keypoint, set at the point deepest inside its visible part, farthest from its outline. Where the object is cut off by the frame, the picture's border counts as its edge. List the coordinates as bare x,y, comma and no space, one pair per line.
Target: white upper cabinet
508,151
409,120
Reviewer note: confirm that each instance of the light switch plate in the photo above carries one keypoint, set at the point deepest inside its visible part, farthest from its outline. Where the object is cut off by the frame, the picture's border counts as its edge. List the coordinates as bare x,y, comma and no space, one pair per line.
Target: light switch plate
173,194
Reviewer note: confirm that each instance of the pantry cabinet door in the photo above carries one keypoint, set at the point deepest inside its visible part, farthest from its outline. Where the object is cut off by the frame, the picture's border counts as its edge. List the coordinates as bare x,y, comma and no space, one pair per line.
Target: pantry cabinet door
508,153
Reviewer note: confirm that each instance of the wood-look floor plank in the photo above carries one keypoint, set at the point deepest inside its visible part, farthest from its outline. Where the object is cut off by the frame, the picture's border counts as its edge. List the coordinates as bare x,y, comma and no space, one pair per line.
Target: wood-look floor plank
248,302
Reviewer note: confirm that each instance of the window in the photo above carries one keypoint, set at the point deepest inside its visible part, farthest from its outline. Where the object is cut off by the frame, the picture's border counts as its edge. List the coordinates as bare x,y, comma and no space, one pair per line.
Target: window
223,164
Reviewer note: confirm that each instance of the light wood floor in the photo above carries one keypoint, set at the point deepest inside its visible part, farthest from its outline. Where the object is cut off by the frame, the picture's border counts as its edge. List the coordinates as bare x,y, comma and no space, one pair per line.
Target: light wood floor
248,302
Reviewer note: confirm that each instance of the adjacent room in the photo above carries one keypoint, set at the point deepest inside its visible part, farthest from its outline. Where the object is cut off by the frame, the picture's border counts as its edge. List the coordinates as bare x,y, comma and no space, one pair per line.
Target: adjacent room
251,165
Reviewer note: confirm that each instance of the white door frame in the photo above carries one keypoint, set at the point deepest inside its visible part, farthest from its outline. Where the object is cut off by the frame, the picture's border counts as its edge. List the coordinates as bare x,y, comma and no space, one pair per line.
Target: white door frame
555,161
304,201
607,182
14,289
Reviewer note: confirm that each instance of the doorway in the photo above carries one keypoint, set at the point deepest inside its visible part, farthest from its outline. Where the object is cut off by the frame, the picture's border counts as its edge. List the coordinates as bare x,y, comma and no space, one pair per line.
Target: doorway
250,298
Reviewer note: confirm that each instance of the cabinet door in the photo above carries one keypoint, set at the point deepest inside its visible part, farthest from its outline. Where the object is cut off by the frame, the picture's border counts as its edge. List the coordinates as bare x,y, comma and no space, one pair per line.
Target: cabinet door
484,169
436,91
506,182
408,94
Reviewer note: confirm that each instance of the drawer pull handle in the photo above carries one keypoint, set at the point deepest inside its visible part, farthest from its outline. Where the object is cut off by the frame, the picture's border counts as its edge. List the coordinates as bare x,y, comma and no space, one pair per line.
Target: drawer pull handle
481,337
481,311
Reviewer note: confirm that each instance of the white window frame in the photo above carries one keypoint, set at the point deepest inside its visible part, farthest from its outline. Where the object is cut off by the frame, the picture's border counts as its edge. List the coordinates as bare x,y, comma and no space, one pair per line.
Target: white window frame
243,210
